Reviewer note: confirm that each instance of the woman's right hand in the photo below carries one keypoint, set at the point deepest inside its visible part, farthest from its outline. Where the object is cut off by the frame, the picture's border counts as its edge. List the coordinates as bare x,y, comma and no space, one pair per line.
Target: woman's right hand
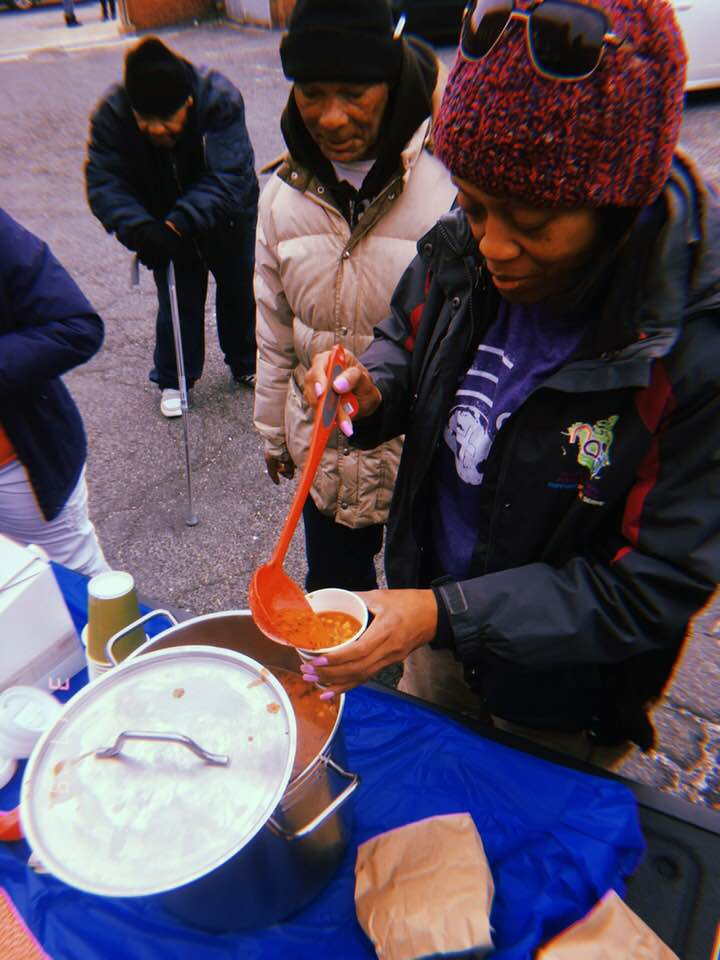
354,379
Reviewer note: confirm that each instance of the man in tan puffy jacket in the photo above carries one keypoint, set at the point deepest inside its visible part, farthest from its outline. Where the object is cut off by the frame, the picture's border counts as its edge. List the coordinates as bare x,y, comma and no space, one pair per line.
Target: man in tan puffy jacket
338,224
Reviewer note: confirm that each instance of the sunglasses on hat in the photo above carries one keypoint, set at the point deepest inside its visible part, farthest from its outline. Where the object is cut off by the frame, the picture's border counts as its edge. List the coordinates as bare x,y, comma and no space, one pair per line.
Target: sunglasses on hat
565,40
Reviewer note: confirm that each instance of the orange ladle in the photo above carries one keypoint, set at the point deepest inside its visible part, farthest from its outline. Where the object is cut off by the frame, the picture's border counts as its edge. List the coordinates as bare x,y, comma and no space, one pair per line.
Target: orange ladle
277,603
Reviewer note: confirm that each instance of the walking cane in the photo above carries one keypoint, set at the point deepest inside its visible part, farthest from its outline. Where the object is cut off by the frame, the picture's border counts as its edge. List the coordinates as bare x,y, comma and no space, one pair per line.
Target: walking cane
191,520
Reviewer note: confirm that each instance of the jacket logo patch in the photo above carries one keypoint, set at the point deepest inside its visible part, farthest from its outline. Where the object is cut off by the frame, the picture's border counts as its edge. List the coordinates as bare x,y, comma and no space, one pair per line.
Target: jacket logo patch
594,442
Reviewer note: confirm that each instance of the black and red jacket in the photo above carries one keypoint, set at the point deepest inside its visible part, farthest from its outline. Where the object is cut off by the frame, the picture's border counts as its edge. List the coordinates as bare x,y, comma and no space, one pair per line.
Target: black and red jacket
580,594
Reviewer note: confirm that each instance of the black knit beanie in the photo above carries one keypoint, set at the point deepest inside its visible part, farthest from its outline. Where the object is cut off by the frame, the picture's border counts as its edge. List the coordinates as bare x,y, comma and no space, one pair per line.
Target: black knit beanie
332,41
157,81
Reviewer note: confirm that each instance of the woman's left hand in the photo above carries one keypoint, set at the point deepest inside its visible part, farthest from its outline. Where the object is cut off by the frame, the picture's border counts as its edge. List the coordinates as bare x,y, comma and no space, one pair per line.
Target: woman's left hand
403,620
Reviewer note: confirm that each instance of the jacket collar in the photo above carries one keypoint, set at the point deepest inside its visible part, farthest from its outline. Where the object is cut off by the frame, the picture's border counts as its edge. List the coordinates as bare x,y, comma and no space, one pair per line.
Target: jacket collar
287,165
300,178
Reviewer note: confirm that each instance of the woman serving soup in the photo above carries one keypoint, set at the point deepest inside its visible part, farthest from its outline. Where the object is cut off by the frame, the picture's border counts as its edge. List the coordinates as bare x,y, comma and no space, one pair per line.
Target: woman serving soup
553,360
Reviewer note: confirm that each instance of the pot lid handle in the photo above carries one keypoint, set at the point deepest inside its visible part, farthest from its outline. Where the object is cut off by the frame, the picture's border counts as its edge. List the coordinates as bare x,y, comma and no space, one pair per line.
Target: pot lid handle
213,759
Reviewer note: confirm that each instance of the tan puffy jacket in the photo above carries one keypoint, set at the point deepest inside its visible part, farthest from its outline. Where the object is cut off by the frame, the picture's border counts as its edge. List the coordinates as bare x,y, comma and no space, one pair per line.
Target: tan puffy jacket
317,284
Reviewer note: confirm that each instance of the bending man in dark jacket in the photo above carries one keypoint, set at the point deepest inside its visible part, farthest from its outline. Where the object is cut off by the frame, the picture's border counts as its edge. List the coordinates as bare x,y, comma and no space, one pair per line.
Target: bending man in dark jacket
47,327
170,171
553,359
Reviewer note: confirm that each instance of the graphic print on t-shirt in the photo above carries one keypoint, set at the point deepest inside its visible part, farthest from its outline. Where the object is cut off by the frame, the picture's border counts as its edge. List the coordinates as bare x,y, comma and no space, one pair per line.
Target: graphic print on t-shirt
520,350
471,426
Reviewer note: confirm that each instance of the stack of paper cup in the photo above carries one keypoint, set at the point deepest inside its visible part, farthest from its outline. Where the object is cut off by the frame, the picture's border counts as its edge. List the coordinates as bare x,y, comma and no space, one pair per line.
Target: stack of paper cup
112,605
94,667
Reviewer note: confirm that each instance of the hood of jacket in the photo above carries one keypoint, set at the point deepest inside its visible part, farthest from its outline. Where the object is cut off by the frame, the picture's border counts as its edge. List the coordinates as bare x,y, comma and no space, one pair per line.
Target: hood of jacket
410,102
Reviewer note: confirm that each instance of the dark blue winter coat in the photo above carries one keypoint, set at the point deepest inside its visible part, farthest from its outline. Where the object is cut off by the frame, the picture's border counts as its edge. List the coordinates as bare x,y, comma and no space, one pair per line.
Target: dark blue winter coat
46,328
202,184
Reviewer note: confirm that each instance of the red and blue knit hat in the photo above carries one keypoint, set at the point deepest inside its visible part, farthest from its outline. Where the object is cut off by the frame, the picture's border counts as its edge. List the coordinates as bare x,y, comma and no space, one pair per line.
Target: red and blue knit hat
606,140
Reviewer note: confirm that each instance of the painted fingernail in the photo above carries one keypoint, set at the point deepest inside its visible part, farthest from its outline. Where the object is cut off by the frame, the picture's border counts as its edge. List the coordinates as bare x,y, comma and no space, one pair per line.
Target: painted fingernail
318,389
320,662
307,668
347,428
341,384
328,695
311,677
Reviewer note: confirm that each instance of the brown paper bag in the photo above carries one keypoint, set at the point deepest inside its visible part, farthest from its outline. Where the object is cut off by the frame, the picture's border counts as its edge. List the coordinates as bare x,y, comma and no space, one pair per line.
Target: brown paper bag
611,931
425,889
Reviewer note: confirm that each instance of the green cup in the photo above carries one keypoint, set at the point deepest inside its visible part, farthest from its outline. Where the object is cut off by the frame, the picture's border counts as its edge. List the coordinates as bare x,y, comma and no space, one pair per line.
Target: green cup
112,605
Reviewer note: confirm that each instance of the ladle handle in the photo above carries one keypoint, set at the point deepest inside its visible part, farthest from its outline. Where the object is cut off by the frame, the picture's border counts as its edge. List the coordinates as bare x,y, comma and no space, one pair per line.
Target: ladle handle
324,424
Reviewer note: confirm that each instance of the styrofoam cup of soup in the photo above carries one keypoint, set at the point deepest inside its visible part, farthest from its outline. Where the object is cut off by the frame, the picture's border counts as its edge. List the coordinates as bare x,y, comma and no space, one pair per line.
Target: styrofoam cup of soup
342,612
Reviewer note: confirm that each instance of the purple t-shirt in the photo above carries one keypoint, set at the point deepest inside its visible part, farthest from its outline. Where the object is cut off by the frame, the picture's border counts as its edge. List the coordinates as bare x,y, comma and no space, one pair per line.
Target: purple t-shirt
520,350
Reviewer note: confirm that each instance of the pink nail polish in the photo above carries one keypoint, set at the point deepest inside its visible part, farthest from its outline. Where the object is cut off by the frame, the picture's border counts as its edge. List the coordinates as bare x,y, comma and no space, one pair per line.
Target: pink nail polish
311,677
328,695
346,428
341,384
318,389
319,662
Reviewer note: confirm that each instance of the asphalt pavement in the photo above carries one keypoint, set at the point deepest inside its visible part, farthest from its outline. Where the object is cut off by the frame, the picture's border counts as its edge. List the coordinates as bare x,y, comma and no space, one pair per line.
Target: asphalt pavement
51,78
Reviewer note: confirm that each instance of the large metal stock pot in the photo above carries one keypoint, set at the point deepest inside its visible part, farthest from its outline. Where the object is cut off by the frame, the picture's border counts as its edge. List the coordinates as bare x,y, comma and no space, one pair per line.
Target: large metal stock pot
293,857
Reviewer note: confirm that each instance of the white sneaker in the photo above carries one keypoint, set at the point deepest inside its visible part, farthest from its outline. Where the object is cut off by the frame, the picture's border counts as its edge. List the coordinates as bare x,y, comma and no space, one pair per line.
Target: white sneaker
170,403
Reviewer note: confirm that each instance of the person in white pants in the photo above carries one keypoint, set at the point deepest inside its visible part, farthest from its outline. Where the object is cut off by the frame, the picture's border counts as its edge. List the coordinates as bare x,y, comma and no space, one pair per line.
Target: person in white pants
69,539
47,327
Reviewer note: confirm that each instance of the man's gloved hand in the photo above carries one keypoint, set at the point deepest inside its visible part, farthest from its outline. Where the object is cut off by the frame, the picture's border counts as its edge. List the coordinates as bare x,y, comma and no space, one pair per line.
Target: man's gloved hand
156,244
279,467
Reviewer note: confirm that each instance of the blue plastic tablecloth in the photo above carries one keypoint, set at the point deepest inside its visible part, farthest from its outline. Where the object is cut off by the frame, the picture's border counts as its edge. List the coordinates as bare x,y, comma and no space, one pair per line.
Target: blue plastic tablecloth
556,840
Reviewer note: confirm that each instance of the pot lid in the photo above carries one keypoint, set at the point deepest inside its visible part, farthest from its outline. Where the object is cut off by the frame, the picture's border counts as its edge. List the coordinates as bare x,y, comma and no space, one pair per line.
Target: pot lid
134,816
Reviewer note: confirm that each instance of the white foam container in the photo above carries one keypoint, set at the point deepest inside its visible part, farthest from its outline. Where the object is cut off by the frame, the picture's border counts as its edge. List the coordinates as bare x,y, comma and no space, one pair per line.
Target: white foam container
25,714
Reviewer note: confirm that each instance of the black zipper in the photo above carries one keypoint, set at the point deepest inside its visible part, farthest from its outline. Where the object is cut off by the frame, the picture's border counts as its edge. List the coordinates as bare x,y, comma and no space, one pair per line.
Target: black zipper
504,466
472,283
176,175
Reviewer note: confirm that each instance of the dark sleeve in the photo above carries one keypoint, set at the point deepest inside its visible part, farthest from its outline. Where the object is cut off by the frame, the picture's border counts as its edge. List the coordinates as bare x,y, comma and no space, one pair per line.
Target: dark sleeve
389,360
109,192
229,184
443,638
53,328
593,611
